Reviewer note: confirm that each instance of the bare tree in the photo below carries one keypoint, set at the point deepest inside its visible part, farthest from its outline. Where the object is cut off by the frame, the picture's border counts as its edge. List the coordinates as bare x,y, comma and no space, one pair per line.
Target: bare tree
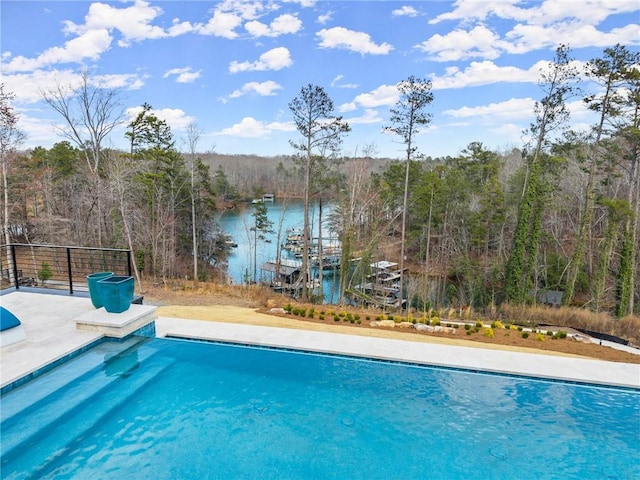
10,138
121,172
90,112
193,137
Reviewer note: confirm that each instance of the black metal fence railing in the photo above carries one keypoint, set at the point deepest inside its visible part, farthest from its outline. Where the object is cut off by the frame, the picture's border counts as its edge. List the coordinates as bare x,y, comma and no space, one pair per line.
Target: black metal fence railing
59,267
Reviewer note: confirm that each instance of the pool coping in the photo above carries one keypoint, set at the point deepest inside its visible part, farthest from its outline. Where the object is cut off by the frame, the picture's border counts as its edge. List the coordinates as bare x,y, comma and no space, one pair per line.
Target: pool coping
568,369
52,336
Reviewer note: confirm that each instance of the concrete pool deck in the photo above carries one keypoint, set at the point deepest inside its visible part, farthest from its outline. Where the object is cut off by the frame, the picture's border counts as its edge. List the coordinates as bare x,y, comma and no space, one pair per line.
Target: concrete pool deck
51,333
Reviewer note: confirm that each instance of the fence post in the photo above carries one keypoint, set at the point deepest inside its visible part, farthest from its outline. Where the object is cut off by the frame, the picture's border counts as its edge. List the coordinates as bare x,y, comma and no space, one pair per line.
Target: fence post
16,280
129,253
69,271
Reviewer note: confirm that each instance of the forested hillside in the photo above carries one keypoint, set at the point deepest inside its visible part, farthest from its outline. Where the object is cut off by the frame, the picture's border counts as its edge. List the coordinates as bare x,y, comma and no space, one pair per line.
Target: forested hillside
559,212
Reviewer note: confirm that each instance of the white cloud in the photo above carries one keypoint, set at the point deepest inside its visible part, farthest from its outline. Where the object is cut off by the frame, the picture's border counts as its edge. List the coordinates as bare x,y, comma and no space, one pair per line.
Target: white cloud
183,75
228,15
179,28
544,25
514,109
347,107
404,11
249,127
284,24
28,87
221,24
89,45
461,45
384,95
275,59
39,131
370,116
176,118
325,18
129,81
134,22
263,89
531,37
359,42
485,73
337,82
246,9
470,10
541,13
302,3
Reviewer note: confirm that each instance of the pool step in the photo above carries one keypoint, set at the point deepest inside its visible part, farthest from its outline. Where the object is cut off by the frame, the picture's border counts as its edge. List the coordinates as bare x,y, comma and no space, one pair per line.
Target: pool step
83,366
32,457
66,402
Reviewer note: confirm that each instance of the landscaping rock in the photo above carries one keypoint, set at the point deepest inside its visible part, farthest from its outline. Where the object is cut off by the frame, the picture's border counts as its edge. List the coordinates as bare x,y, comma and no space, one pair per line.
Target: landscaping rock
383,323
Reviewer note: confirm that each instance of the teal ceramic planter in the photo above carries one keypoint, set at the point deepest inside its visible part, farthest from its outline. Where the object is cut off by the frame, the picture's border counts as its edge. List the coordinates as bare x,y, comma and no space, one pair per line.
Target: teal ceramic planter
94,291
116,292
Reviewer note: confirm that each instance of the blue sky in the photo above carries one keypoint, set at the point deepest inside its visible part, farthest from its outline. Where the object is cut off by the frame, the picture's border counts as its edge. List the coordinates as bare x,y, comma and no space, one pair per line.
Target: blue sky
232,67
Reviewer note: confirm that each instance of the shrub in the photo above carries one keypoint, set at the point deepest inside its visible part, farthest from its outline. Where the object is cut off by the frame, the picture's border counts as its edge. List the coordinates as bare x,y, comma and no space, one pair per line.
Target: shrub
497,324
467,326
336,318
540,337
321,317
311,313
525,334
479,324
288,308
45,272
356,316
561,334
435,321
489,333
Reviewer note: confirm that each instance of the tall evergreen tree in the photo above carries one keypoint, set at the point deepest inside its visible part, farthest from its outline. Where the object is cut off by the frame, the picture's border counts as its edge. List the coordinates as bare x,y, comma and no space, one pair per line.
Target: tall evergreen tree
321,133
408,115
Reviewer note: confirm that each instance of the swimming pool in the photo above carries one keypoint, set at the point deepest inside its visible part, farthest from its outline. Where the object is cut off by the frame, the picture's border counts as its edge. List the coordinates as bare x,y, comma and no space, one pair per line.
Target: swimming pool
173,409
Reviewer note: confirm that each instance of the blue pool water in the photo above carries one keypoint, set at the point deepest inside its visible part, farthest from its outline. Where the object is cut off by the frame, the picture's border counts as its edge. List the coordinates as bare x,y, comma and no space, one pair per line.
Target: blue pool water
173,409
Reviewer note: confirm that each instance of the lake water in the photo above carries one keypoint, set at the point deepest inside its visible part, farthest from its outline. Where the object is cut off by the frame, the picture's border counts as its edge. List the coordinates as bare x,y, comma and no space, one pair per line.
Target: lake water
285,214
